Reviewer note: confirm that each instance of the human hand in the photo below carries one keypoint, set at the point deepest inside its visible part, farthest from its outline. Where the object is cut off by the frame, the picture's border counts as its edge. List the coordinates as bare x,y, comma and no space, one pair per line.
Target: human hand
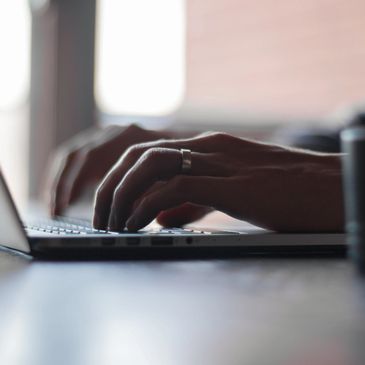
86,158
270,186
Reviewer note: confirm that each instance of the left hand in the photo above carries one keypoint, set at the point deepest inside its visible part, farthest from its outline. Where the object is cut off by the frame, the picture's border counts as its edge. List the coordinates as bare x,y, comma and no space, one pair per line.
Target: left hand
268,185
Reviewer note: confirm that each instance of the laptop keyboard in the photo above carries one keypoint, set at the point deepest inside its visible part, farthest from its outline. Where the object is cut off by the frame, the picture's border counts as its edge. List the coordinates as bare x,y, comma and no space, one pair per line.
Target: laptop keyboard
62,225
71,226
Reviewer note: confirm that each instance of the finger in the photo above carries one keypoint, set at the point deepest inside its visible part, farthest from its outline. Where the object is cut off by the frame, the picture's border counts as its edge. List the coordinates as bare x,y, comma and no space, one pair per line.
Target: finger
80,177
57,198
154,165
205,191
175,217
106,190
208,142
62,165
103,199
102,149
181,215
157,185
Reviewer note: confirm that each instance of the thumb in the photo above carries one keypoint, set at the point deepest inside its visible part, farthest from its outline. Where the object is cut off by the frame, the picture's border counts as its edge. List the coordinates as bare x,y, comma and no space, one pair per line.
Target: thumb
183,214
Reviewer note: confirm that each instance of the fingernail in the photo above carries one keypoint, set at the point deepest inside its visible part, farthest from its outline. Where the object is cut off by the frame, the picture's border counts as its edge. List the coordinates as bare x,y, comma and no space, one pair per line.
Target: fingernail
62,206
96,221
56,211
51,210
112,224
131,223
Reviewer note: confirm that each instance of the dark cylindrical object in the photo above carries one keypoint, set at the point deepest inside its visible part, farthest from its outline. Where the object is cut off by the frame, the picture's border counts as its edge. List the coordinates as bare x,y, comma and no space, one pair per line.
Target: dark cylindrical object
353,146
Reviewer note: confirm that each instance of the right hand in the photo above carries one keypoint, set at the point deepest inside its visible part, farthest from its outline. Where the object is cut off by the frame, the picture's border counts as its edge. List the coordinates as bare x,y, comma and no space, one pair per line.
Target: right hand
85,159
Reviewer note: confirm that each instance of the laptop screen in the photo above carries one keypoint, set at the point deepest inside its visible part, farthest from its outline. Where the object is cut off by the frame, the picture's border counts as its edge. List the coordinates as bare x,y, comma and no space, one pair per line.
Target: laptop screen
12,233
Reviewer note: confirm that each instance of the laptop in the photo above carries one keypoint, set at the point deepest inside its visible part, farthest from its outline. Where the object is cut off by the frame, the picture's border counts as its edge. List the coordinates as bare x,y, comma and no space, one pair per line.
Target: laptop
69,238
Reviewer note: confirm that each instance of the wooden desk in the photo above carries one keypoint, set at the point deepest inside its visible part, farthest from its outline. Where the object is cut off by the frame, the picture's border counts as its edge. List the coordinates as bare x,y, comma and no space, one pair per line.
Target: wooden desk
244,312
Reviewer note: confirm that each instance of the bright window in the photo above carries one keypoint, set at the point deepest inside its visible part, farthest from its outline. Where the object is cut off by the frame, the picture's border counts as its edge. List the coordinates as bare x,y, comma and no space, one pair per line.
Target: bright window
14,90
280,59
140,57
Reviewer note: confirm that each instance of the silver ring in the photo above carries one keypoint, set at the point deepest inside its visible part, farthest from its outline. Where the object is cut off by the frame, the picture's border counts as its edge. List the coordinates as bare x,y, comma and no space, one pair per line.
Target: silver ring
186,161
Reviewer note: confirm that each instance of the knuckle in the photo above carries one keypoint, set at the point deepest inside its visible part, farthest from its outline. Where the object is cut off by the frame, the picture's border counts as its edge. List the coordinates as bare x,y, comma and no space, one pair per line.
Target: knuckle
101,193
67,159
153,155
87,153
66,155
132,128
221,136
133,152
118,193
206,134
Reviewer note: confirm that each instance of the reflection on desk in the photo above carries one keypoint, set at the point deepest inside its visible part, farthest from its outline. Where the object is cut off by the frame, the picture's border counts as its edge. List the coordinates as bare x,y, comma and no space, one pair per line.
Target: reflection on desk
251,311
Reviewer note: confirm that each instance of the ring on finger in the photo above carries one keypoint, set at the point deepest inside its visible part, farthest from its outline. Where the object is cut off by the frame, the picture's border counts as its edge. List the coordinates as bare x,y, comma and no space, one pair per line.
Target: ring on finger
186,161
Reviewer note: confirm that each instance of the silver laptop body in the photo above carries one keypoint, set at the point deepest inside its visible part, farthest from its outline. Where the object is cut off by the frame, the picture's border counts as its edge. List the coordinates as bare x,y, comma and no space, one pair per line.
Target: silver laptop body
69,238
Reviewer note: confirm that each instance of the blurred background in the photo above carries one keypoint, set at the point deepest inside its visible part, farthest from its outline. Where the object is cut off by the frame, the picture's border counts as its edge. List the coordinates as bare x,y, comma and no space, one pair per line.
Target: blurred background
253,66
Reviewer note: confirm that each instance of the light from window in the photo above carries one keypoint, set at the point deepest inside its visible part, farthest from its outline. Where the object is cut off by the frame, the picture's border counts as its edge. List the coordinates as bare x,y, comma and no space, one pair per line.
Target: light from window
140,56
14,91
14,46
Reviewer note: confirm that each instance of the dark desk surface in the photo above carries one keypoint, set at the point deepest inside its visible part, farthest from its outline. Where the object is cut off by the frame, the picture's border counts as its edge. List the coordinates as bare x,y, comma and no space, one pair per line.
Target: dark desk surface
251,311
244,312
